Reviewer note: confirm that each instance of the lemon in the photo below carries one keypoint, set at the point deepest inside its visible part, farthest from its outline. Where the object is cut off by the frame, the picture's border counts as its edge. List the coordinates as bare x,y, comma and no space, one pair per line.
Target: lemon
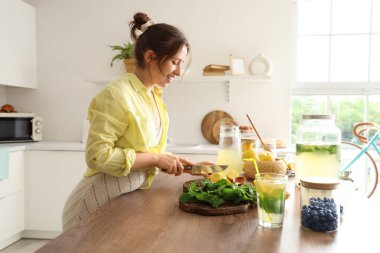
248,153
262,156
231,175
216,176
268,157
246,146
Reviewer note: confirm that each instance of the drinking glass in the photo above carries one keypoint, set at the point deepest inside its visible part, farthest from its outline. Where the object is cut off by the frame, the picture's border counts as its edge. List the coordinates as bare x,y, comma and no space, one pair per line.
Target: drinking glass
271,189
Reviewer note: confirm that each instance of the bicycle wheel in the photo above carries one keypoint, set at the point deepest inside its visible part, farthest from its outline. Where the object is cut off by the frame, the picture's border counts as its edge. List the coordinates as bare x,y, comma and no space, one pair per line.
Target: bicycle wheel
363,172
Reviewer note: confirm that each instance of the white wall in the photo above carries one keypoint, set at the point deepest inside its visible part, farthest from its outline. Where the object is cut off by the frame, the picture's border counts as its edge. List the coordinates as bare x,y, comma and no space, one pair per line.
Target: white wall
3,95
72,39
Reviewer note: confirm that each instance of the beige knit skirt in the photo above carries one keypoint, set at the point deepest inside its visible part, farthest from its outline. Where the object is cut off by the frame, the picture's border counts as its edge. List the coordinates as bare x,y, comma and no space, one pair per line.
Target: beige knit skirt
96,191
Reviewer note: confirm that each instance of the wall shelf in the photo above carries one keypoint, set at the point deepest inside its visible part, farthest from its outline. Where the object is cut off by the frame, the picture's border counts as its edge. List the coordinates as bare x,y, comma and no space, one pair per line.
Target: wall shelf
227,80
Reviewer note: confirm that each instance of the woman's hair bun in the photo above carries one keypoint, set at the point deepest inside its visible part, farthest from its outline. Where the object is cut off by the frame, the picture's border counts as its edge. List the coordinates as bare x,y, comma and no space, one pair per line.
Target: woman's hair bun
139,19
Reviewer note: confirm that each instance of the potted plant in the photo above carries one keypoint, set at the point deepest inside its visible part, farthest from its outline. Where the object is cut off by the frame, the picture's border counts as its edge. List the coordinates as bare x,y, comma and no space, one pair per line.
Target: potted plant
125,52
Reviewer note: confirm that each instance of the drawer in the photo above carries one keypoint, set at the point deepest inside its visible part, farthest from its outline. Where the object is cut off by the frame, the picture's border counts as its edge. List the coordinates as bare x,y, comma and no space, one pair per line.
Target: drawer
12,215
15,182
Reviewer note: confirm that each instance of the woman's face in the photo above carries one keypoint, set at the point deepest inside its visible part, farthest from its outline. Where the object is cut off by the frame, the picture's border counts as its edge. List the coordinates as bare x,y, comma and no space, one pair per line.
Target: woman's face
170,69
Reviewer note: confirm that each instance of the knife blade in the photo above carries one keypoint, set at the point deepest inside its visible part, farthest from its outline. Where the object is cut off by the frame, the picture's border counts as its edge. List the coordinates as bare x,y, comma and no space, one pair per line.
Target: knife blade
203,169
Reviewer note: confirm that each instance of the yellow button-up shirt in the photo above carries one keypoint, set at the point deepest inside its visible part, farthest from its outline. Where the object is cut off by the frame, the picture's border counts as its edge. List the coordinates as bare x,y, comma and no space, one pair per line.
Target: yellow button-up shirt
121,124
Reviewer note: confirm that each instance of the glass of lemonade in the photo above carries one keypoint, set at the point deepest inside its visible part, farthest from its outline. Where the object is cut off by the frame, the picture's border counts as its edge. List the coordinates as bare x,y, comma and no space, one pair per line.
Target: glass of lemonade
271,189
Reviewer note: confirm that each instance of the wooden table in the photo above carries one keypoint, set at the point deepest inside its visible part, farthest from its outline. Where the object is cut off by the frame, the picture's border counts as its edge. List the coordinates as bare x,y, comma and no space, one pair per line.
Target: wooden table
151,221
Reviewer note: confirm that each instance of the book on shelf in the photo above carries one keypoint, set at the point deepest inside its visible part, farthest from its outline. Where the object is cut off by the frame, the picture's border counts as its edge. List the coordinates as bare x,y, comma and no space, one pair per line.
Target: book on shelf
217,67
213,72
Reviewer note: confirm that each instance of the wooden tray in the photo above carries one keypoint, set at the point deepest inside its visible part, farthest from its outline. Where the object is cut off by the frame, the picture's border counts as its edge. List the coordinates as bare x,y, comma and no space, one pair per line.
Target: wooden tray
206,209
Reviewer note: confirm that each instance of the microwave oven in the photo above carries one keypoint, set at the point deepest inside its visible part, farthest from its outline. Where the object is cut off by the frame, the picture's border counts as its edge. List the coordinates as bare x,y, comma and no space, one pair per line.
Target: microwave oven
20,127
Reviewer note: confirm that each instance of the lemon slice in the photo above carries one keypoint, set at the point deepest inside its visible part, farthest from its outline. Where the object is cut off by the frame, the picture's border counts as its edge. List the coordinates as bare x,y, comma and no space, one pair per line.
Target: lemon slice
231,175
216,176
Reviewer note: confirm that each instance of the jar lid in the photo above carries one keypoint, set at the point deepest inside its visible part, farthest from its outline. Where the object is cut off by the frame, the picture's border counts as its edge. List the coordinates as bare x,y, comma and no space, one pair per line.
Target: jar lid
319,116
322,183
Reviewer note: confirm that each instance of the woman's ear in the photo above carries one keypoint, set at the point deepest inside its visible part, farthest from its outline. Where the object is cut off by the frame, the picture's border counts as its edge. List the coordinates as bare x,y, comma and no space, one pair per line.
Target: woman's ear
149,56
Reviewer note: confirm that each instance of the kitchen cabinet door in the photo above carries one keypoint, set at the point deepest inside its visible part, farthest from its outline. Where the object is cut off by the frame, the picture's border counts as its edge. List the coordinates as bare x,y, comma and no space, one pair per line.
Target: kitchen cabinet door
18,47
11,218
50,178
12,204
15,181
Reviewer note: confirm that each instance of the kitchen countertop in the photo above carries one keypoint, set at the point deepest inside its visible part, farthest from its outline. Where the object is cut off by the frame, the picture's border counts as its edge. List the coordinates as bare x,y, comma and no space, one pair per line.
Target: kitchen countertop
151,221
45,146
208,149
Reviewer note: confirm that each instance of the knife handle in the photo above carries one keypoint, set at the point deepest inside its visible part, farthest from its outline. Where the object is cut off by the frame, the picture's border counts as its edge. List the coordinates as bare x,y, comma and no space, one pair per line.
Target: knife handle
187,167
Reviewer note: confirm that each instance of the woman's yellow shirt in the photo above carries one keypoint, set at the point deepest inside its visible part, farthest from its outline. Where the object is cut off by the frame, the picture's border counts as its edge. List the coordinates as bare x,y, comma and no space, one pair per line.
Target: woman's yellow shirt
121,124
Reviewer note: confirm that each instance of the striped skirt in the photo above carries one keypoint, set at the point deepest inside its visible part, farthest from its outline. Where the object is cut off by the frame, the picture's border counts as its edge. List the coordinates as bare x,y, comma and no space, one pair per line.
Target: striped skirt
96,191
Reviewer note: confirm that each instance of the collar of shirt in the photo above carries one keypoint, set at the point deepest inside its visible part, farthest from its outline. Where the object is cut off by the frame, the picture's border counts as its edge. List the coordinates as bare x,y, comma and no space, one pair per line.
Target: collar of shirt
139,86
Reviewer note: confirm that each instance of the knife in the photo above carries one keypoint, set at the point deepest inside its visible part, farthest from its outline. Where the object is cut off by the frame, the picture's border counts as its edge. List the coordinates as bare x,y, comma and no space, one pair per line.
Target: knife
203,169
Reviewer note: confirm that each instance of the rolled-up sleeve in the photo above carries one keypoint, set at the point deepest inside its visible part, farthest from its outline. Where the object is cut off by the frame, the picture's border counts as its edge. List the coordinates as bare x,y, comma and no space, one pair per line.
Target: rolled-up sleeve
108,122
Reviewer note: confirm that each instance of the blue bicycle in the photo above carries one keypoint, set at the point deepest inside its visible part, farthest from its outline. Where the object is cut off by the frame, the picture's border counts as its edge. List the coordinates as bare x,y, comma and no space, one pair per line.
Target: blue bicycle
357,163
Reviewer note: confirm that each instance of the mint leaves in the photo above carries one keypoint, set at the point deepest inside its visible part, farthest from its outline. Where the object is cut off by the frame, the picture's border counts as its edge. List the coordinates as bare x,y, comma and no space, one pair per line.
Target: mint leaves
328,149
219,193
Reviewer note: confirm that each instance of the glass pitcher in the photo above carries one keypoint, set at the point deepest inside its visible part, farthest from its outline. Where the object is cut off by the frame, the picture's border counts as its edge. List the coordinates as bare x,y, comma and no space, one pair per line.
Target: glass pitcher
229,152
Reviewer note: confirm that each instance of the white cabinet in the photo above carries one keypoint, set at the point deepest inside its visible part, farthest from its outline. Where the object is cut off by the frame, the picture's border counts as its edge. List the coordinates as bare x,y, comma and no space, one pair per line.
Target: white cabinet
18,47
50,177
15,181
12,204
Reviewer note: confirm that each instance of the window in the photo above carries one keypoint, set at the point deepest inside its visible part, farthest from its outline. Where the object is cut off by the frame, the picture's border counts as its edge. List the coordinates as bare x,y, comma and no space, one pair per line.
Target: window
338,42
338,53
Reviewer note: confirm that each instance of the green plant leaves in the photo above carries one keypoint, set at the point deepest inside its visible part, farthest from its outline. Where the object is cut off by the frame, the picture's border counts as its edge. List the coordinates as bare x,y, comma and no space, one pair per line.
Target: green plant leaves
125,51
219,193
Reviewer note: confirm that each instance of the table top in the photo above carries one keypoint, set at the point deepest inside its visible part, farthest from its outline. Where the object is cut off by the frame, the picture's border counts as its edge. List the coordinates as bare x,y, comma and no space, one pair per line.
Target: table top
151,221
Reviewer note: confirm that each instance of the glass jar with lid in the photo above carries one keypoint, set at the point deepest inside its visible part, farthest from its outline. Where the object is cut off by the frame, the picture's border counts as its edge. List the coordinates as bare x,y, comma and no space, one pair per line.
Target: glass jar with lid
249,144
317,147
320,204
229,152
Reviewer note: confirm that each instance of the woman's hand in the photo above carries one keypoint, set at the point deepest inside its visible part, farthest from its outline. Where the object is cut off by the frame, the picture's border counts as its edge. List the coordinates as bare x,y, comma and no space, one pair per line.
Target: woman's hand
172,164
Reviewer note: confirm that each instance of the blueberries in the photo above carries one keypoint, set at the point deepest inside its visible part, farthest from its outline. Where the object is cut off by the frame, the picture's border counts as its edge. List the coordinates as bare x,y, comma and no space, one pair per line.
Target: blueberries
320,215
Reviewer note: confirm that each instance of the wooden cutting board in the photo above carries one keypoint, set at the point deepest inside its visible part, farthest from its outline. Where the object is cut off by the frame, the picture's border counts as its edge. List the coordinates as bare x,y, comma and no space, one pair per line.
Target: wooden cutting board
216,127
206,209
208,123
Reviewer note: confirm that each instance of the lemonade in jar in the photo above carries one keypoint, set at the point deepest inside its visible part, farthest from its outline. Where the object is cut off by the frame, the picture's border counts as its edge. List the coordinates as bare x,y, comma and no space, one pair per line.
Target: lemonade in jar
317,148
229,152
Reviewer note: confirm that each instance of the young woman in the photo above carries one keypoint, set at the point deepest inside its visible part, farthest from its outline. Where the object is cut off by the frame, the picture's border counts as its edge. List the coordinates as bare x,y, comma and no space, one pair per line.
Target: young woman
128,123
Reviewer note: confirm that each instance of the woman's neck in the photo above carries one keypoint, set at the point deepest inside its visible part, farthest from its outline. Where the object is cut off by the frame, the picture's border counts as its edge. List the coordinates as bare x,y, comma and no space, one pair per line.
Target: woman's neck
145,77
